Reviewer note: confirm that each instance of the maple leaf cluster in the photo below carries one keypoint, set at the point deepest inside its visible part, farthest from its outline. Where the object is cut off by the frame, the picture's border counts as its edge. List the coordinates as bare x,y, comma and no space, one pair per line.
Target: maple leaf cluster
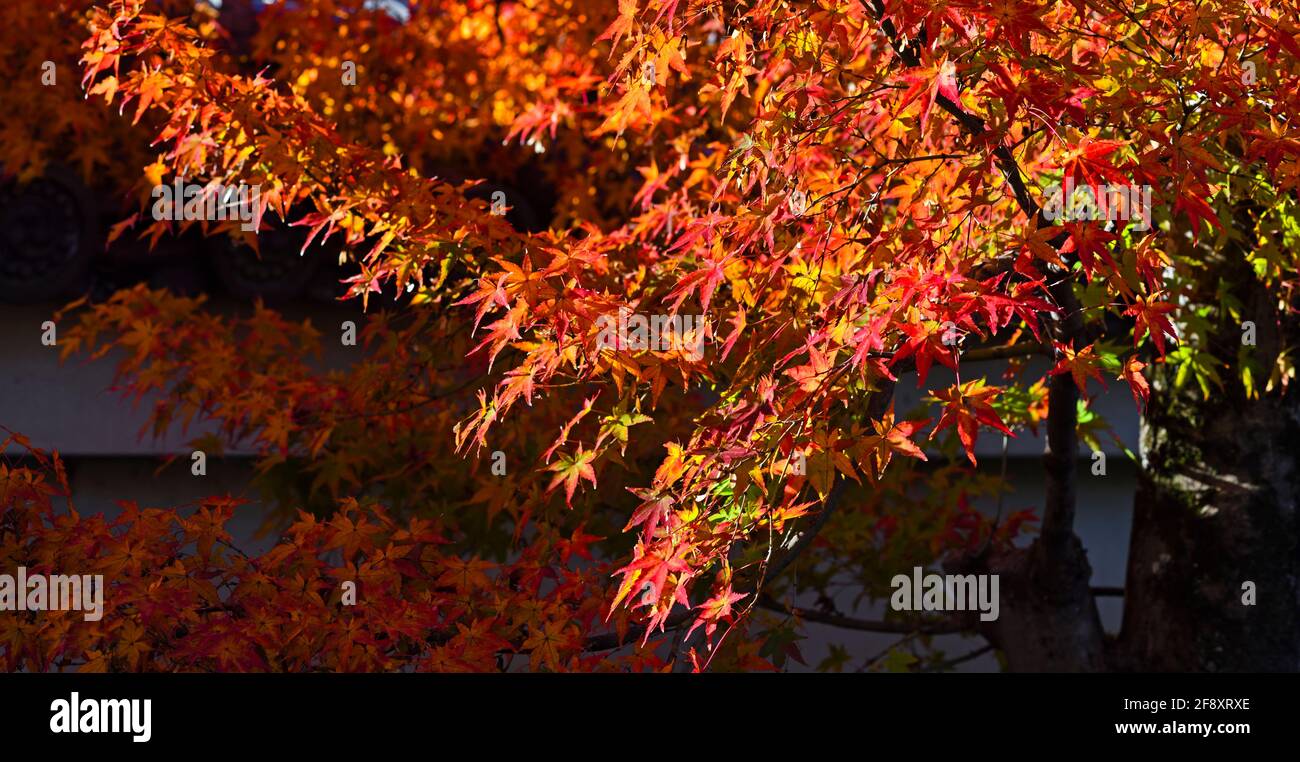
847,193
180,596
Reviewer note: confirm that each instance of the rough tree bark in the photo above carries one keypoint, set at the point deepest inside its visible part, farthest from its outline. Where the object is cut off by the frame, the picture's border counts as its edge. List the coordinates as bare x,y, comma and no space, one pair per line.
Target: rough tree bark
1215,508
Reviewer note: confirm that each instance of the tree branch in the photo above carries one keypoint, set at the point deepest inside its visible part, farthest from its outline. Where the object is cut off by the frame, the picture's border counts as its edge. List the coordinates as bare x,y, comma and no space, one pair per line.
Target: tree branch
1062,418
983,354
949,664
1059,459
611,640
936,627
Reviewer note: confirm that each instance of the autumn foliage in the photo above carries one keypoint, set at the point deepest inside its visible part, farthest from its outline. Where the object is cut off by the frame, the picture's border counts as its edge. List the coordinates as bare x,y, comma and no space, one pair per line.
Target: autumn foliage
850,193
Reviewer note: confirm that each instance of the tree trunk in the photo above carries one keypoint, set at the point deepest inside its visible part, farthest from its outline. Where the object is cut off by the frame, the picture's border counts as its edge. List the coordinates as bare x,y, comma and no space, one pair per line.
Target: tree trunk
1215,509
1048,618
